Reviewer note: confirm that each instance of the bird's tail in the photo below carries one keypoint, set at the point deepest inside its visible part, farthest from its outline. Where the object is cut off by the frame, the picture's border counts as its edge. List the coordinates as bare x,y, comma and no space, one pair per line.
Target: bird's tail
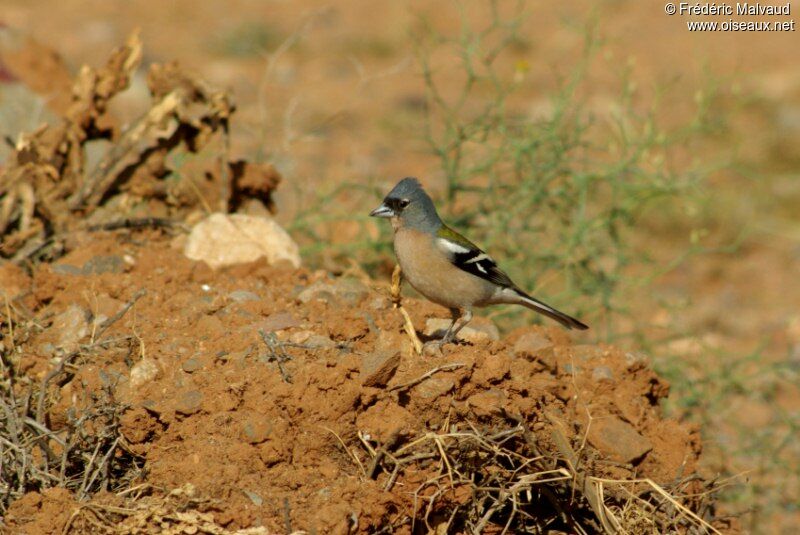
534,304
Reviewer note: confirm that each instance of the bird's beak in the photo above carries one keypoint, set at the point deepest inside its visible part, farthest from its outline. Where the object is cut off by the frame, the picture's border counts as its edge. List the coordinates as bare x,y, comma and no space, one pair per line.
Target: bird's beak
382,211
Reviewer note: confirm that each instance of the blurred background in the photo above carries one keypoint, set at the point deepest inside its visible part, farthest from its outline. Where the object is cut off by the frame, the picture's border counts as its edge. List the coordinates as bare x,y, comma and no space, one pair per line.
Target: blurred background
631,172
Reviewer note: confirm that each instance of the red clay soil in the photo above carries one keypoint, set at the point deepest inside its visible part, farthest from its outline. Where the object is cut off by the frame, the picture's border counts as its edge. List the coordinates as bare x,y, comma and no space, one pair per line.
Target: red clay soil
208,402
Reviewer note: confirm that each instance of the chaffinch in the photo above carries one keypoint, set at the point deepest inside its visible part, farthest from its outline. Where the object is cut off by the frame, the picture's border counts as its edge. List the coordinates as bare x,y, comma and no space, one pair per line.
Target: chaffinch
446,267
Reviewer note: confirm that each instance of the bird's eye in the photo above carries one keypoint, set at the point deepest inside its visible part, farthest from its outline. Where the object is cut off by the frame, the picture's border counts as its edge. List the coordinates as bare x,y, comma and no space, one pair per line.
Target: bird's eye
403,203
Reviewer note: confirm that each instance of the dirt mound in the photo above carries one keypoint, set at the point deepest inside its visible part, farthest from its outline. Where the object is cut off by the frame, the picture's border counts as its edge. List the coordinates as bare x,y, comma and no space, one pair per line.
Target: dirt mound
292,400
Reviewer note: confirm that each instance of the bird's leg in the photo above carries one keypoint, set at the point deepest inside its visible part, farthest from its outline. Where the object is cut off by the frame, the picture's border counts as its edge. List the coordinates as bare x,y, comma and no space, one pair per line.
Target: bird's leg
408,326
449,335
460,320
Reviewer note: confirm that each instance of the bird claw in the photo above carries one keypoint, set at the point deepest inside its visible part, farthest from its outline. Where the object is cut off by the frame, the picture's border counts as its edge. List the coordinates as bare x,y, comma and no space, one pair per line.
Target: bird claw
434,347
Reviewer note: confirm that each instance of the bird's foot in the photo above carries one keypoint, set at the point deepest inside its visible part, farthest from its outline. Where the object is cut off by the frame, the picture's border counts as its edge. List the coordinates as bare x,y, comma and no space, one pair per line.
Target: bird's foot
435,346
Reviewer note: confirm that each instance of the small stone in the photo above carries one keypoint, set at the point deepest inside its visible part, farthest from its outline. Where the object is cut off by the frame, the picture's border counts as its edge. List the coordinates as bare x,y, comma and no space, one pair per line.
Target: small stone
379,303
618,440
602,373
275,322
242,296
189,402
225,240
347,290
256,429
487,403
191,365
536,345
318,341
311,340
69,327
570,369
143,372
66,269
435,387
636,359
478,330
103,264
319,291
350,290
378,367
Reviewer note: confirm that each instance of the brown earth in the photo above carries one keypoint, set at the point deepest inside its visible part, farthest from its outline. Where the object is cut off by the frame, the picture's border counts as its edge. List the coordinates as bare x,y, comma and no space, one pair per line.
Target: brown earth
205,404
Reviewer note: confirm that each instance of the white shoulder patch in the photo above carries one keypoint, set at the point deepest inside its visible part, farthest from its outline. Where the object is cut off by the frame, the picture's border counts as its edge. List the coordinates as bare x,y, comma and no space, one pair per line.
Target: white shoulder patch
453,247
480,258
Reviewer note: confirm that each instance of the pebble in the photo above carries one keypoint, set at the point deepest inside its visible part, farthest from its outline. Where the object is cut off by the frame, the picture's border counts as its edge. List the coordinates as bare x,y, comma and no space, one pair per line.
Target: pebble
602,373
104,264
319,341
191,365
242,296
69,327
94,266
379,366
347,290
274,322
189,402
618,439
143,372
636,358
478,330
312,340
256,429
536,345
435,387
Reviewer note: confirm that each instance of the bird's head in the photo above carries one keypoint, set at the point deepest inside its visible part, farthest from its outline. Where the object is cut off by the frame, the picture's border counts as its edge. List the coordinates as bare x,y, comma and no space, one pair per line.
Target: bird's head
409,206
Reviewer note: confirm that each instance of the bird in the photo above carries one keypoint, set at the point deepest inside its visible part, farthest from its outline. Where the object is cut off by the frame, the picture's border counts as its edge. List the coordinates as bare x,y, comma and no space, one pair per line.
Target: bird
447,268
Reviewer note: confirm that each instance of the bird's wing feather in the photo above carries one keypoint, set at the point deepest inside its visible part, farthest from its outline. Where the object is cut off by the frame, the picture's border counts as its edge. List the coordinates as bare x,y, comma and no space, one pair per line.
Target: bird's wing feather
469,257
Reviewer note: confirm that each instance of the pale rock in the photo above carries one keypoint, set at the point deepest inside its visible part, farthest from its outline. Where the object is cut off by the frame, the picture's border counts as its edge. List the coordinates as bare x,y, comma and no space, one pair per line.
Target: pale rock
143,372
243,296
602,373
276,321
69,327
477,331
225,240
346,289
